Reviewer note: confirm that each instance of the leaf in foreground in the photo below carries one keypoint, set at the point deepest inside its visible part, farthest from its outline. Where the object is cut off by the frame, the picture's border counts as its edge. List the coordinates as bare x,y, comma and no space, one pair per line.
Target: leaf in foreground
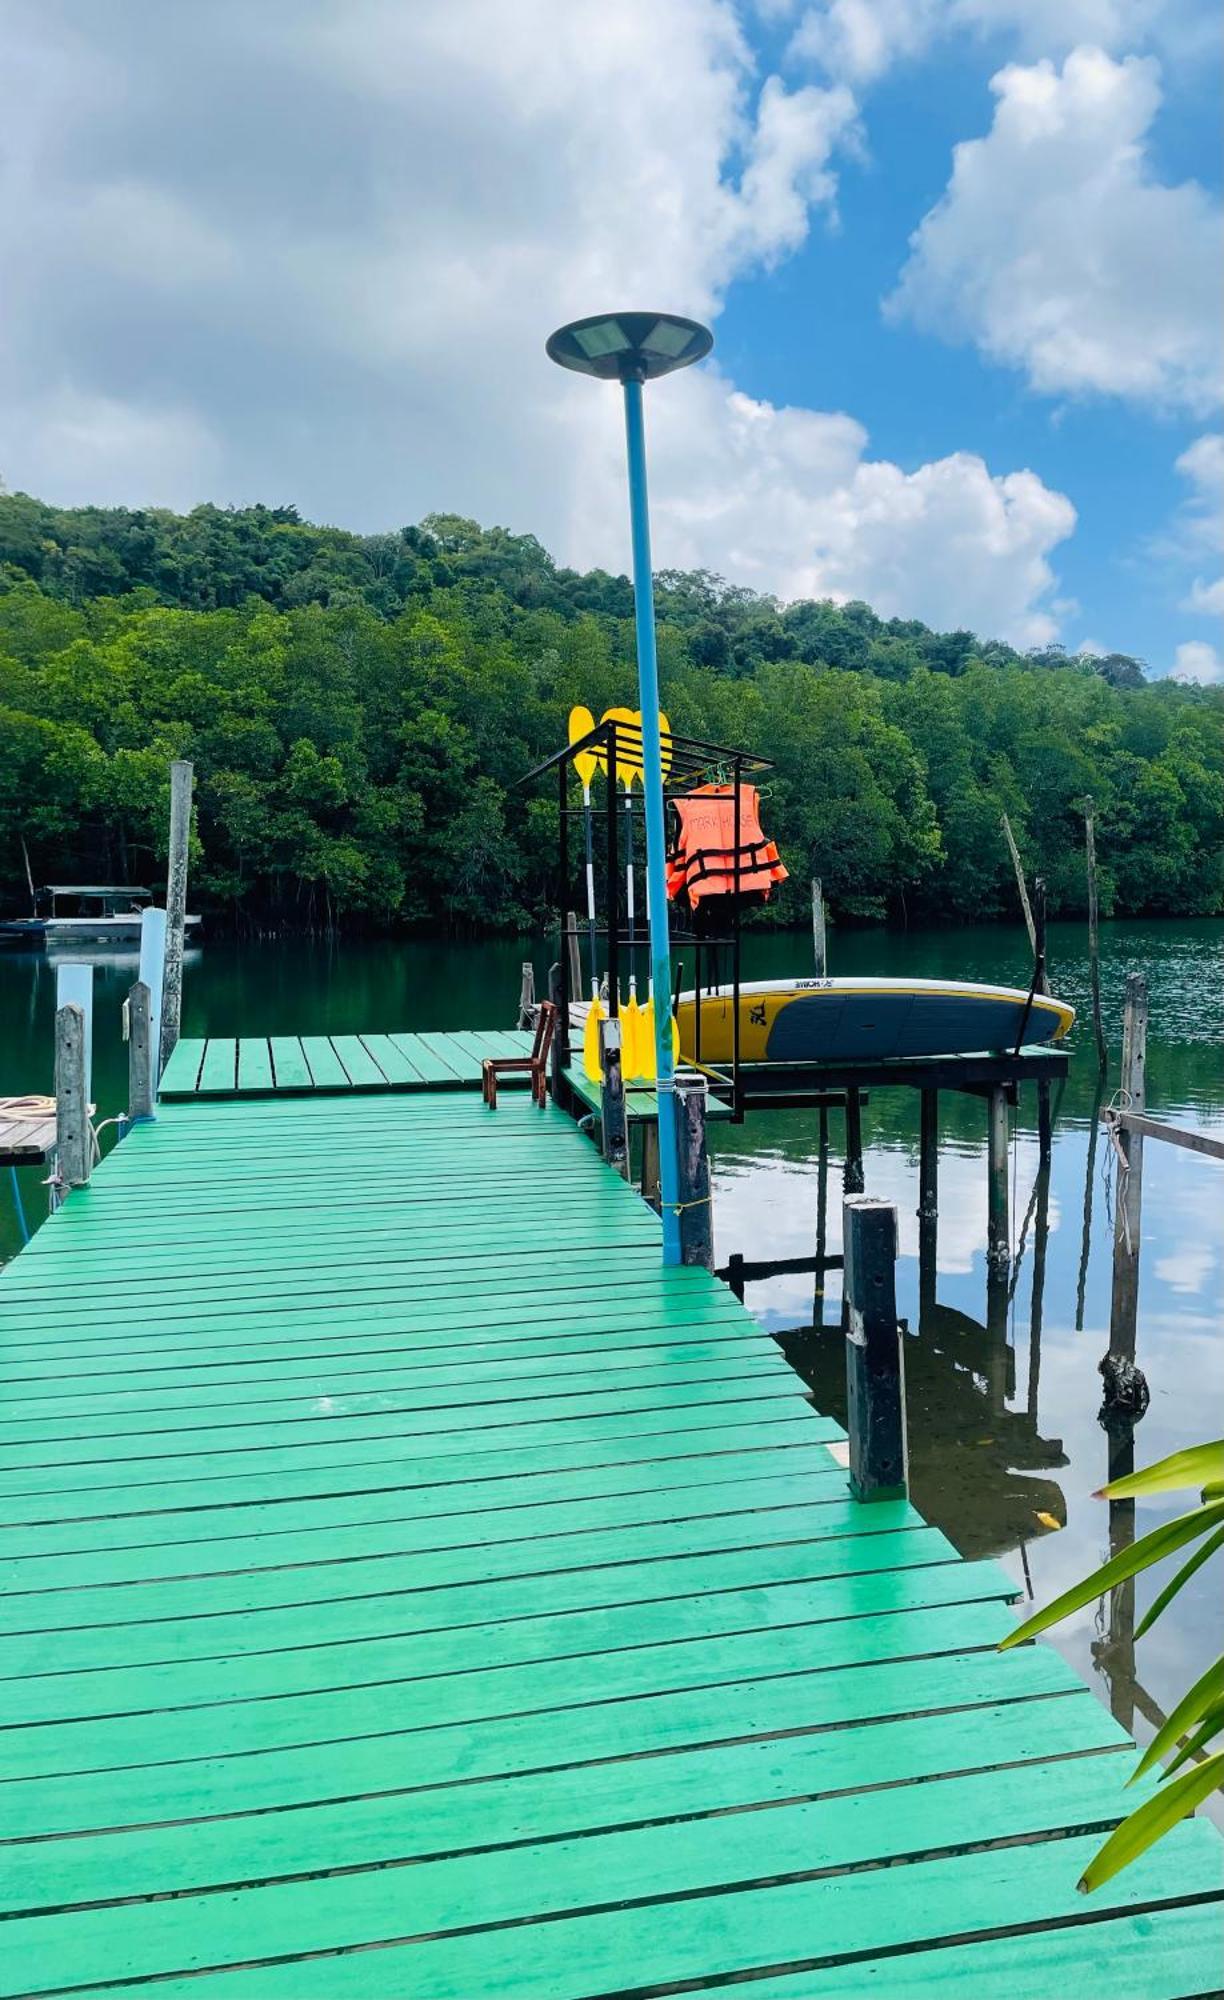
1156,1816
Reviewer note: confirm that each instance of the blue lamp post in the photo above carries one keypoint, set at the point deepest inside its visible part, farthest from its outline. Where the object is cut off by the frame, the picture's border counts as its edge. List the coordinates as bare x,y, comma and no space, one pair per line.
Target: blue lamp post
632,348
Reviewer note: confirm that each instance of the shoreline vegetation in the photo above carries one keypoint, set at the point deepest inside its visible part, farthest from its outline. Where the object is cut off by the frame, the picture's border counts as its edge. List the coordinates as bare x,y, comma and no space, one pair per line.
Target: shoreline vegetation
360,708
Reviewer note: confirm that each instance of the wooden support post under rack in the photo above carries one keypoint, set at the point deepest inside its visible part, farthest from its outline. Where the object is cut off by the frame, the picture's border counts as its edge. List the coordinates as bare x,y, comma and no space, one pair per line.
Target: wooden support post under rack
998,1234
854,1181
612,1098
875,1362
696,1217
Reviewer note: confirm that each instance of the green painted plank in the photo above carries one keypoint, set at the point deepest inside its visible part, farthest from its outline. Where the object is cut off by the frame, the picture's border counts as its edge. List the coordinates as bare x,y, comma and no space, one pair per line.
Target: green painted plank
399,1743
182,1071
521,1506
219,1067
849,1917
292,1071
389,1569
185,1407
641,1102
866,1568
254,1064
406,1414
503,1811
576,1657
366,1907
676,1437
393,1063
429,1066
326,1070
538,1542
363,1072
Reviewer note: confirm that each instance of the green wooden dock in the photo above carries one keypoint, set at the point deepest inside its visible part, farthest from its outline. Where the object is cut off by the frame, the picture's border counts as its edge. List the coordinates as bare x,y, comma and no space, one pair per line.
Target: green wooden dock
413,1591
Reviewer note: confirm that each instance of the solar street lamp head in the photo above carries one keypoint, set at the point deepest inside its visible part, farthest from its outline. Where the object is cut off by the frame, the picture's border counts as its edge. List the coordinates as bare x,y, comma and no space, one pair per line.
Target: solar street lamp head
629,347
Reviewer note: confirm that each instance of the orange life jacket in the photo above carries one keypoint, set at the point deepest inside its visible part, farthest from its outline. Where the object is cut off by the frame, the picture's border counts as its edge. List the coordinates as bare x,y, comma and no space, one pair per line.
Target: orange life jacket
703,861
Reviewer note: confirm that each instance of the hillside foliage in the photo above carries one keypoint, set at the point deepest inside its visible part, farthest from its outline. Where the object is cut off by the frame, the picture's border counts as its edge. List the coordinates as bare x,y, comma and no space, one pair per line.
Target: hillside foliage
359,709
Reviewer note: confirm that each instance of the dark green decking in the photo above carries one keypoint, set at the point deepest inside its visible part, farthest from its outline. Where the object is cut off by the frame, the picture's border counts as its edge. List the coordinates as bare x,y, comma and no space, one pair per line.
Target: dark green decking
397,1557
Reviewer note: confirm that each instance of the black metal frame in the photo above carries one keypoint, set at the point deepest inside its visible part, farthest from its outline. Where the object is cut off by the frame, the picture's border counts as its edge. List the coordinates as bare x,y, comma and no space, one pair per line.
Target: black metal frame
693,761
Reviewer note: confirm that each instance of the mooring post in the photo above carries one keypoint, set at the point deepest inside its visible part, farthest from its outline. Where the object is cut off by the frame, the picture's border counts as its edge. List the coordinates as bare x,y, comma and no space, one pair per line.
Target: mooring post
181,774
696,1216
1128,1202
527,999
998,1233
819,940
572,952
74,982
1094,939
73,1139
612,1097
875,1363
853,1180
137,1011
928,1157
650,1162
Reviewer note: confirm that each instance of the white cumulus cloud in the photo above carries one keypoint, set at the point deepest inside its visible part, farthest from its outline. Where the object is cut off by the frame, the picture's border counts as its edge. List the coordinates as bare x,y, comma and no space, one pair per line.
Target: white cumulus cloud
1202,525
310,251
1056,249
1198,661
858,40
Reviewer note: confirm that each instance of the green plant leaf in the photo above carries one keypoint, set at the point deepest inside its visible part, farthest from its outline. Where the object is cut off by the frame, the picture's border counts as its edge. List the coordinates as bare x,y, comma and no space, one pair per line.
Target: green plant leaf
1200,1465
1211,1723
1208,1689
1184,1575
1148,1822
1150,1548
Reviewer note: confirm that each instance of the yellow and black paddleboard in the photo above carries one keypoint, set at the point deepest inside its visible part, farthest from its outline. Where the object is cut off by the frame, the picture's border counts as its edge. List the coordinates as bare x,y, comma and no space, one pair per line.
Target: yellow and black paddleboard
841,1020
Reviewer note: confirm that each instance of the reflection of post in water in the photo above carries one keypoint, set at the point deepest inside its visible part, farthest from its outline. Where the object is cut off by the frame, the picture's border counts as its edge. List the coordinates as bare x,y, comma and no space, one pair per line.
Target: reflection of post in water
822,1195
1089,1185
1041,1239
1114,1649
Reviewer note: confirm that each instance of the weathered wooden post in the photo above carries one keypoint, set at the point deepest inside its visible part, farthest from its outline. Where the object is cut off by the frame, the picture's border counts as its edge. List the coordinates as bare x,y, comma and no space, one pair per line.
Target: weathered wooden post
573,954
928,1157
1094,939
696,1214
151,974
1018,865
819,940
181,774
73,1138
560,1058
527,999
137,1011
74,981
612,1097
875,1363
998,1233
853,1181
1128,1203
650,1162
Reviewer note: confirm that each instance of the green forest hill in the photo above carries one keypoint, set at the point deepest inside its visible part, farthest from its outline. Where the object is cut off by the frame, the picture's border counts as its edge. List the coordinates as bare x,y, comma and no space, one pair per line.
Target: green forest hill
359,708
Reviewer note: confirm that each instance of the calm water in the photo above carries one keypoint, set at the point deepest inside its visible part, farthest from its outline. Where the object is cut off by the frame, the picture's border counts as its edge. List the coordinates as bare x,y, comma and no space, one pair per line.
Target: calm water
1003,1383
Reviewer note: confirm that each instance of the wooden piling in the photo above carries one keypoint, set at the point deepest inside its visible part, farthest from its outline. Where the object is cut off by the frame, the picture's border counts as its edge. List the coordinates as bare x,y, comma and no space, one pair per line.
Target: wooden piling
1045,1123
74,984
696,1216
998,1244
928,1157
1094,940
573,954
819,939
181,775
137,1010
1128,1202
612,1097
853,1180
73,1139
527,999
650,1162
875,1363
560,1057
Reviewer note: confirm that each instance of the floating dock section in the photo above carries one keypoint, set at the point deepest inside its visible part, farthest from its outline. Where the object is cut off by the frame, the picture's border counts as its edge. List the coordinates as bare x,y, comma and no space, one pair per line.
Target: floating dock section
413,1591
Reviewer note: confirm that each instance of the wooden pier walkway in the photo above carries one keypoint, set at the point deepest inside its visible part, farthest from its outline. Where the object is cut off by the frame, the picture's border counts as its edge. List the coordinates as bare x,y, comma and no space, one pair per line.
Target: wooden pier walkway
414,1592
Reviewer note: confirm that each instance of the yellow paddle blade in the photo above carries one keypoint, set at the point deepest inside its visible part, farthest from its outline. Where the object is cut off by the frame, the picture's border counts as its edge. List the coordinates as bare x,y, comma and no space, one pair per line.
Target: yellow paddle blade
596,1013
587,762
631,1039
628,760
649,1068
665,744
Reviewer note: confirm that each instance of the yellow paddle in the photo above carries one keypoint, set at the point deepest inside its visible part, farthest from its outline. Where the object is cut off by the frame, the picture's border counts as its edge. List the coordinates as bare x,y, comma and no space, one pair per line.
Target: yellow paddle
628,763
586,763
646,1019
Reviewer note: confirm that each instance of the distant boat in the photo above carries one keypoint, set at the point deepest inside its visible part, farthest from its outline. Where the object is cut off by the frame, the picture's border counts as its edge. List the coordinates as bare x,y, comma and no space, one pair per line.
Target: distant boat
867,1020
72,915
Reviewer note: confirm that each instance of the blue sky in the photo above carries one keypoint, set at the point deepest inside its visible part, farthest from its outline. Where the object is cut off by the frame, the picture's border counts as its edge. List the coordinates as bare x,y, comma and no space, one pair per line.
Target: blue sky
310,251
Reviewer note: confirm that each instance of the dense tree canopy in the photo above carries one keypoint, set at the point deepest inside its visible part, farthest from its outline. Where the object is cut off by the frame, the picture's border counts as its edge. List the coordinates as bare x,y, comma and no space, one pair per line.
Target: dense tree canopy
359,708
